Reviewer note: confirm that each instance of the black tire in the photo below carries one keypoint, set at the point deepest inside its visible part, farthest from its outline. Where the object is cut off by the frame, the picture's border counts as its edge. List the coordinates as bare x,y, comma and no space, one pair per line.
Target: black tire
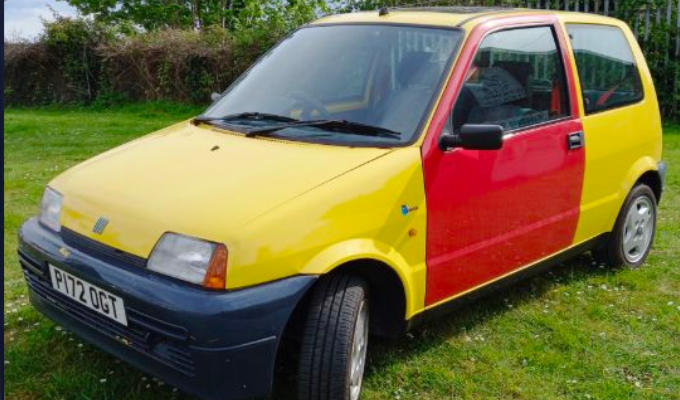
611,252
328,337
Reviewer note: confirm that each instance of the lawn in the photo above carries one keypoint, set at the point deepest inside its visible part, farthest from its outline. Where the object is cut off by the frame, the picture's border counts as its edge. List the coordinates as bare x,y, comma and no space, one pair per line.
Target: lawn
578,332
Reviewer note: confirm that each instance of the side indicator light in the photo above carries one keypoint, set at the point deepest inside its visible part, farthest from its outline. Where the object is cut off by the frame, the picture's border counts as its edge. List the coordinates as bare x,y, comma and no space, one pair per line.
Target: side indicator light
216,274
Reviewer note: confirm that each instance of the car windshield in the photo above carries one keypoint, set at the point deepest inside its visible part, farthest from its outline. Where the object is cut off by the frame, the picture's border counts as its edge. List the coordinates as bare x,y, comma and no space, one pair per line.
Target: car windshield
352,78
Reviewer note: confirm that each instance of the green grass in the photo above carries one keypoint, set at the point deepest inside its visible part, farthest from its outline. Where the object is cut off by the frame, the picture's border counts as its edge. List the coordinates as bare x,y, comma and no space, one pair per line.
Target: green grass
577,332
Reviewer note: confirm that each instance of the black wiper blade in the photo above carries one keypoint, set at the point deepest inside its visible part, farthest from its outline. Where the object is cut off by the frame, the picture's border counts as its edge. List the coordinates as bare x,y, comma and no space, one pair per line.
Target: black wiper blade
246,115
331,124
366,129
273,128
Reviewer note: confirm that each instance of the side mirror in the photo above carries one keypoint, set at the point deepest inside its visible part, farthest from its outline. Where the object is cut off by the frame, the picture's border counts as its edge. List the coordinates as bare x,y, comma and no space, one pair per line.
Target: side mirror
474,137
215,96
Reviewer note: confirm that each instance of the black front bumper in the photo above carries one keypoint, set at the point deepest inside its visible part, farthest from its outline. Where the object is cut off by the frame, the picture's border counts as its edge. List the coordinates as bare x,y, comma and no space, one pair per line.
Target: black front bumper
213,344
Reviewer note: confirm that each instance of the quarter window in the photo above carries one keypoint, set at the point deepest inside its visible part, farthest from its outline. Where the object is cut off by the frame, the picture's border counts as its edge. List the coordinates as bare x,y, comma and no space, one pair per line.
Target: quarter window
606,67
516,80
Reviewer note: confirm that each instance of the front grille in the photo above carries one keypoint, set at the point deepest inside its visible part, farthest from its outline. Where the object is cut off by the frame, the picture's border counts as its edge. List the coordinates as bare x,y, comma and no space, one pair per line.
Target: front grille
159,340
99,250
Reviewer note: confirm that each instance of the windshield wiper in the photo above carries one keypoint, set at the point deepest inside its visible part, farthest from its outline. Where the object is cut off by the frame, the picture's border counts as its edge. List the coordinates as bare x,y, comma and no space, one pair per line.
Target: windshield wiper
246,115
330,124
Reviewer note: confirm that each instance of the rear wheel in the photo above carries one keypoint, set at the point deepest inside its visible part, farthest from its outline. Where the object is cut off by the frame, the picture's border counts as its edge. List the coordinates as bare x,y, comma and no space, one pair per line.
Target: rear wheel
334,341
632,237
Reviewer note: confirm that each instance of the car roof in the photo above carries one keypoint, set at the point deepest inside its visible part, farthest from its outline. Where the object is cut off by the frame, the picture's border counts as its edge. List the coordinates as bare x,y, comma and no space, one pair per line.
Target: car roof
465,17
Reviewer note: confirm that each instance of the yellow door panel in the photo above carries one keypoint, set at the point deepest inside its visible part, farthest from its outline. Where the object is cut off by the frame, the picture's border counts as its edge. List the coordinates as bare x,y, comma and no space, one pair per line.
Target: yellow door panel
621,144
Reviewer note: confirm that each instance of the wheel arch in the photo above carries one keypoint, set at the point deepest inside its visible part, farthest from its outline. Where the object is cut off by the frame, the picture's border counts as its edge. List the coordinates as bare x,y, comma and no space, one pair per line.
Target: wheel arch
371,254
645,169
387,295
652,178
396,286
387,298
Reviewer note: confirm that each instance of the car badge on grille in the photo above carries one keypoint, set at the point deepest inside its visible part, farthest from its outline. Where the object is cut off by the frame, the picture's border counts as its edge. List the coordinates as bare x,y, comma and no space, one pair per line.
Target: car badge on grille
100,225
64,252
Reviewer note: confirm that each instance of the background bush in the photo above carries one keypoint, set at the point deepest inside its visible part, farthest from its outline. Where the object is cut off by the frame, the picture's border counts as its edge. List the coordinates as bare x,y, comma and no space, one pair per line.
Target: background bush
107,60
62,67
154,53
169,64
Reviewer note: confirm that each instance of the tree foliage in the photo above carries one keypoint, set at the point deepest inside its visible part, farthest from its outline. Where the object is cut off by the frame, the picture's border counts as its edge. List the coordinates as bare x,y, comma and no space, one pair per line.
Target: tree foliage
109,58
190,14
185,49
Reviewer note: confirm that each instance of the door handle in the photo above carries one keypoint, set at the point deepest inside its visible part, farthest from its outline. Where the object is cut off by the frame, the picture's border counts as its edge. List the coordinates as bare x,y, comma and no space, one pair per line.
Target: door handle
575,140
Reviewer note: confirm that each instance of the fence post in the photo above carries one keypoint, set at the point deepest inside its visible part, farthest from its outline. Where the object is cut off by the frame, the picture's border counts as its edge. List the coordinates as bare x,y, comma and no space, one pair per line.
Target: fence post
677,32
668,25
647,22
606,7
676,71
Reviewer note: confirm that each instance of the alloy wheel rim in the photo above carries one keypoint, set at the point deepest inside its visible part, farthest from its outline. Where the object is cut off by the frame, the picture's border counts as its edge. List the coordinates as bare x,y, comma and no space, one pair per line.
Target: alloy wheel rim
358,357
638,229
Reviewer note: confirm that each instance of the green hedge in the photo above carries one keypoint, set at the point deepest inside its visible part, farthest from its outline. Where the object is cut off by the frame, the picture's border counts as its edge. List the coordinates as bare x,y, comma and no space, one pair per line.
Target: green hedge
78,61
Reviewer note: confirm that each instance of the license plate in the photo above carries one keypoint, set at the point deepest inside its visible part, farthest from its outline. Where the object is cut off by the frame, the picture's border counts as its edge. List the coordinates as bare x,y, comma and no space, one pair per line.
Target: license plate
89,295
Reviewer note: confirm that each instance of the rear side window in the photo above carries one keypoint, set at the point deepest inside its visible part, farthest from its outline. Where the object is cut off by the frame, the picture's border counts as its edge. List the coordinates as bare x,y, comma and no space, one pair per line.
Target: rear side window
606,67
516,80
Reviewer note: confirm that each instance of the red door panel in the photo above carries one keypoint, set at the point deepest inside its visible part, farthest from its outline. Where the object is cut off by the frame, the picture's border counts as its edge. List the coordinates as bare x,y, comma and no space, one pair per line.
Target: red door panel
492,212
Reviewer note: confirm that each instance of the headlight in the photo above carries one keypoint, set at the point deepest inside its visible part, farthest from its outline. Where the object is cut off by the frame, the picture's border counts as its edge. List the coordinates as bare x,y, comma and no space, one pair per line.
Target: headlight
190,259
50,209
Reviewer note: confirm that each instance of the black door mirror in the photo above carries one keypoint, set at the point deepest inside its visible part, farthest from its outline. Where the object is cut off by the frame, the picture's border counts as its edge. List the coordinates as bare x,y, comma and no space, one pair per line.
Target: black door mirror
474,137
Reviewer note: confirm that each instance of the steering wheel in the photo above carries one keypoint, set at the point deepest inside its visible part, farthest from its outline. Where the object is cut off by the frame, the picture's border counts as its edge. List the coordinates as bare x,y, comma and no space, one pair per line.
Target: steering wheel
309,104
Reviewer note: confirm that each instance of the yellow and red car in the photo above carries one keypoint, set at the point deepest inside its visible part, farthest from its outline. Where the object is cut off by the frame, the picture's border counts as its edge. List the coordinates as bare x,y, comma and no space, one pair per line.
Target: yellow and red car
370,170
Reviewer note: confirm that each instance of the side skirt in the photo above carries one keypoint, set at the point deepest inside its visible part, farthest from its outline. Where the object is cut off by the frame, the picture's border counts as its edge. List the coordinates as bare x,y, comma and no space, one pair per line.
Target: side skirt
541,266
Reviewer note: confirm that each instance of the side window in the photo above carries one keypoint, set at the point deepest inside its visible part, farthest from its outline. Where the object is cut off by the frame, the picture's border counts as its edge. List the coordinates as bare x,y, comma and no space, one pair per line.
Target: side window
516,80
606,67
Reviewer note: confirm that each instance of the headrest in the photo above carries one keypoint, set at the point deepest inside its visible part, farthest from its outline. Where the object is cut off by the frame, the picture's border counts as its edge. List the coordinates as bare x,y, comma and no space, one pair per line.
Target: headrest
411,66
483,58
520,70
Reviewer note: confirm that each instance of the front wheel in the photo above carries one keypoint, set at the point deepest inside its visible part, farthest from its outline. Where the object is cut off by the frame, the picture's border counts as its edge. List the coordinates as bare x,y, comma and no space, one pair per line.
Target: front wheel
632,237
334,340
